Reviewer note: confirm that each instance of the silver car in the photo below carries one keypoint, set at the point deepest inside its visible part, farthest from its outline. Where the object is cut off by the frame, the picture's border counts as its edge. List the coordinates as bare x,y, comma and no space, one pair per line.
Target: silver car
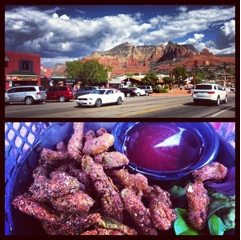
6,98
27,94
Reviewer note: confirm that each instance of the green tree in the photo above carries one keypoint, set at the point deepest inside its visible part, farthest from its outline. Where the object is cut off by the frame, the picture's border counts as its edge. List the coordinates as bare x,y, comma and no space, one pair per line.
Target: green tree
93,72
89,72
150,79
73,69
180,73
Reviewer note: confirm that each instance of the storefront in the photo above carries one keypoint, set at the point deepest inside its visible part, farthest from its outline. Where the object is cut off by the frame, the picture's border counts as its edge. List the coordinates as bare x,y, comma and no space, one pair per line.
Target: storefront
21,69
19,79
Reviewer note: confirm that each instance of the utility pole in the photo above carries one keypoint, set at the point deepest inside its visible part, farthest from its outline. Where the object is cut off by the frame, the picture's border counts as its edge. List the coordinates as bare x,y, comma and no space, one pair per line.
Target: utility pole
171,75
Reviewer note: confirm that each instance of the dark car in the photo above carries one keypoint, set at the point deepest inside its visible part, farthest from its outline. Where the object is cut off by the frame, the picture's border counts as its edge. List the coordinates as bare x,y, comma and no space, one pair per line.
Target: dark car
127,91
60,93
85,90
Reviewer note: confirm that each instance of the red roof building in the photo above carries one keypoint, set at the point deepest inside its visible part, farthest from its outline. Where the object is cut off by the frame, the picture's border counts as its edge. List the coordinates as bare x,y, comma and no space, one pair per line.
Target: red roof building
21,69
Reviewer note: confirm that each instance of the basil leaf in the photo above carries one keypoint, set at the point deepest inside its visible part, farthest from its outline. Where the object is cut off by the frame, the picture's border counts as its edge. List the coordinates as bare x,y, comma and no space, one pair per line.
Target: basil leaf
216,226
181,227
176,192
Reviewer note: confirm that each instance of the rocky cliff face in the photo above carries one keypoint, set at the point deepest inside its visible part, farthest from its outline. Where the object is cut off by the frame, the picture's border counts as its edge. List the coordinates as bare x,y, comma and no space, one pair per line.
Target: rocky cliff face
129,58
141,59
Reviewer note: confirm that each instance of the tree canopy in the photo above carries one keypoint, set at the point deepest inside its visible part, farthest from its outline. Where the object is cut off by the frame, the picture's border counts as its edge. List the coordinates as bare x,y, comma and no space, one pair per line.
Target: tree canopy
150,79
180,73
89,72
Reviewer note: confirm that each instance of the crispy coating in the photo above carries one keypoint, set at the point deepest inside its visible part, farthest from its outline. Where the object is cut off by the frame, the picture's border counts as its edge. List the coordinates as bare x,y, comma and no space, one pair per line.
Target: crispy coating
162,214
75,143
49,155
61,146
90,134
140,214
198,201
59,184
66,225
98,145
111,159
77,202
28,205
110,198
137,182
214,171
101,131
102,231
96,220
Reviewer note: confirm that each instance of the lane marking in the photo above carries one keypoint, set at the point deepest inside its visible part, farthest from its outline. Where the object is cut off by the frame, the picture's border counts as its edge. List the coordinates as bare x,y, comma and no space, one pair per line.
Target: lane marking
222,111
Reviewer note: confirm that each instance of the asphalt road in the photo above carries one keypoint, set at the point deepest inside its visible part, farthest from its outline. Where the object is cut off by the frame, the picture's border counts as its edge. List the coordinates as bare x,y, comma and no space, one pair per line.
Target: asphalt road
133,107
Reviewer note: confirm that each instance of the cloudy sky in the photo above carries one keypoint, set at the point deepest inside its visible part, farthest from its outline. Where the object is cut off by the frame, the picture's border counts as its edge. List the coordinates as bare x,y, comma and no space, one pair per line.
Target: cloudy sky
68,32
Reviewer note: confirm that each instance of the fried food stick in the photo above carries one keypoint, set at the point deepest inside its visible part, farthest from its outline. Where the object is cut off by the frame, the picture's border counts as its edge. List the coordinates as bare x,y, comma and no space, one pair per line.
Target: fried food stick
198,201
110,198
34,208
111,159
59,184
214,170
162,214
99,144
75,143
140,214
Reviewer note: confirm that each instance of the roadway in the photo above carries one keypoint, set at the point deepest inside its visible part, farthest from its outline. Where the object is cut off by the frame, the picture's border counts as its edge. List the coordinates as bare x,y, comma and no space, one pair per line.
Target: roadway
152,106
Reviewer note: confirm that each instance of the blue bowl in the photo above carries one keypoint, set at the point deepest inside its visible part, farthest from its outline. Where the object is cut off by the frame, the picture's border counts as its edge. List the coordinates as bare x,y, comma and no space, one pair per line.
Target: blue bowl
208,141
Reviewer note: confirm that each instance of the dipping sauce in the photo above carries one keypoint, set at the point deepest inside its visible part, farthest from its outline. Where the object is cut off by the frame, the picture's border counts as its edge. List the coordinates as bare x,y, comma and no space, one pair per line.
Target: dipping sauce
162,146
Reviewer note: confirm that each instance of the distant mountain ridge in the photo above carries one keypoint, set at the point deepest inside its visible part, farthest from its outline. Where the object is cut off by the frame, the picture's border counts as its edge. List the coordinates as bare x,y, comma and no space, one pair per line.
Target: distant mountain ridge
140,59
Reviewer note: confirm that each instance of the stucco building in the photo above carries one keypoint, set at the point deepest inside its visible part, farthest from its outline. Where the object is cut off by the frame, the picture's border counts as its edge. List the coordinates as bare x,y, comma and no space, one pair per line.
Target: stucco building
21,69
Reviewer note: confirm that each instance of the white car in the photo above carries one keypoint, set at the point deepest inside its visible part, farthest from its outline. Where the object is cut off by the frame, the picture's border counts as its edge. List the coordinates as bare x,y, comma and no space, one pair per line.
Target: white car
101,96
139,92
209,92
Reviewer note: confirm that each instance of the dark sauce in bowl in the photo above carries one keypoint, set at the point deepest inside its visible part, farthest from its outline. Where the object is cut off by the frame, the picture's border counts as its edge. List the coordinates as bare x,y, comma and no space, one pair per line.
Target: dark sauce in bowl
162,146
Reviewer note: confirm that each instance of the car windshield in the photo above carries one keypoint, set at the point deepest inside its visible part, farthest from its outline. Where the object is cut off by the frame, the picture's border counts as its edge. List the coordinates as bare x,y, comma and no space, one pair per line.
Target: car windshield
98,91
203,87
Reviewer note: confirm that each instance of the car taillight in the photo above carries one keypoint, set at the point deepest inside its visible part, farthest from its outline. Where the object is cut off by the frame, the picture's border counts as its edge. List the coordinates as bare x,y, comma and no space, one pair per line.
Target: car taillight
38,93
211,92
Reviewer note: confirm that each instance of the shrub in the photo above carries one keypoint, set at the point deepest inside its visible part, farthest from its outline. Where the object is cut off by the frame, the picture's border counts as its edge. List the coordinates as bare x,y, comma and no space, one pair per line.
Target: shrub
158,89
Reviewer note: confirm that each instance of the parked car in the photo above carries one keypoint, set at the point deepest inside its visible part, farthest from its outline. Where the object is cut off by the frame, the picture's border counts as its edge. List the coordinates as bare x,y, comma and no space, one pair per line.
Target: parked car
60,93
101,96
209,92
27,94
147,88
139,92
6,98
232,90
85,90
127,91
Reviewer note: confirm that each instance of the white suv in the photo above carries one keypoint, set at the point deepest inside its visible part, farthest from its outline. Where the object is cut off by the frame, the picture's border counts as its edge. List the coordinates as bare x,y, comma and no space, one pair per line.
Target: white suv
209,92
27,94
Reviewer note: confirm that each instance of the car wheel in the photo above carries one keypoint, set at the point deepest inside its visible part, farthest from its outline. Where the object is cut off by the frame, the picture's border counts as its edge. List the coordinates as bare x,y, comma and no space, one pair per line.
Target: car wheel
62,99
98,102
119,101
29,100
128,95
218,101
138,94
147,93
226,99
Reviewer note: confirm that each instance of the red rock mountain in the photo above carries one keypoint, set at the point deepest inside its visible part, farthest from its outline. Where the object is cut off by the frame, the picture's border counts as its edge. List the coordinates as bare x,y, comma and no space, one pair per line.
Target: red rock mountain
141,59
